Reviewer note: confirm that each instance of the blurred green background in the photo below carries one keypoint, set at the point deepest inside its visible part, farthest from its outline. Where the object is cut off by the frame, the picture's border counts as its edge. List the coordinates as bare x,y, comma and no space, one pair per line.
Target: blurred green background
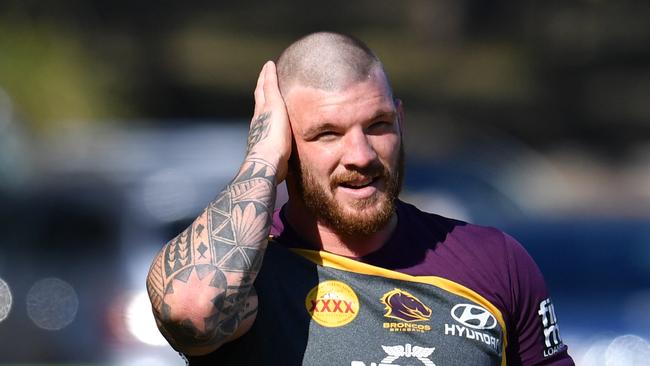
547,72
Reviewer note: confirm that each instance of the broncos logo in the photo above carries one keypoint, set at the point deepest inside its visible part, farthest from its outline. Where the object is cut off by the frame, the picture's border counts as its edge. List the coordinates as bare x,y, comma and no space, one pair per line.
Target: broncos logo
404,306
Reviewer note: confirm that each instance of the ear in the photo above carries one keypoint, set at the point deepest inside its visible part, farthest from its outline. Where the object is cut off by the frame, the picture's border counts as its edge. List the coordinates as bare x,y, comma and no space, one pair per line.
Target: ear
399,106
293,165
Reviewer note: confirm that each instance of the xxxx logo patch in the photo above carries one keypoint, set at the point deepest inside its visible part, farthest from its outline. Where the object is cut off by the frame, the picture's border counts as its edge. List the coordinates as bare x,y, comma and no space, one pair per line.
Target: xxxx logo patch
332,304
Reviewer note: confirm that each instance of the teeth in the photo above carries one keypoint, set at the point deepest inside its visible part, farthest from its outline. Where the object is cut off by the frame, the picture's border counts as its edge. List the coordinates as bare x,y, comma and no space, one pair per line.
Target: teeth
359,184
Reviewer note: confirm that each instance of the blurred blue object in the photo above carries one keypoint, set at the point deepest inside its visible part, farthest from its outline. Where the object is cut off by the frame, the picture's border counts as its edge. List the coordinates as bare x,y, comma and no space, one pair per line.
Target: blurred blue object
104,201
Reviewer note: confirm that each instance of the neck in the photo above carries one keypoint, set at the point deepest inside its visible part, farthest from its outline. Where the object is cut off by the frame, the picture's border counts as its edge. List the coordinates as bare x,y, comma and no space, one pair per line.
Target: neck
329,240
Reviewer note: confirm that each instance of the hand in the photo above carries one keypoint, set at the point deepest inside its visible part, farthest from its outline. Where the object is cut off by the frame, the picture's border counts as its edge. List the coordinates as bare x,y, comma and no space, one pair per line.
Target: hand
269,137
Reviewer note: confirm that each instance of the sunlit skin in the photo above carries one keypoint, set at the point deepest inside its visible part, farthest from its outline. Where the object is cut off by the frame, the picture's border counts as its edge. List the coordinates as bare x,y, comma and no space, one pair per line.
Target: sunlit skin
337,135
184,298
348,141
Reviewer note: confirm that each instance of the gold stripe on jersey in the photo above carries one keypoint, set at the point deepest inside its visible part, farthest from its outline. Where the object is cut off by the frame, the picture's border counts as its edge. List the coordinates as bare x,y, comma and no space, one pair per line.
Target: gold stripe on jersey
330,260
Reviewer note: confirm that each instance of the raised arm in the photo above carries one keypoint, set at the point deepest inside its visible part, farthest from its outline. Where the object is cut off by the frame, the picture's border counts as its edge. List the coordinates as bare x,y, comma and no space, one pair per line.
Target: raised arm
201,282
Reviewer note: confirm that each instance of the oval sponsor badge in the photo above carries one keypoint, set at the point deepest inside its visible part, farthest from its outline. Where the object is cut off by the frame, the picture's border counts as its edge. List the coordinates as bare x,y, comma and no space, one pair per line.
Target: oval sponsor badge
332,304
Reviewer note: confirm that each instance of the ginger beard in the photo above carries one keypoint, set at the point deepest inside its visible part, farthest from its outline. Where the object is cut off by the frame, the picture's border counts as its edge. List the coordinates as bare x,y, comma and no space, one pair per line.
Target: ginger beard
366,216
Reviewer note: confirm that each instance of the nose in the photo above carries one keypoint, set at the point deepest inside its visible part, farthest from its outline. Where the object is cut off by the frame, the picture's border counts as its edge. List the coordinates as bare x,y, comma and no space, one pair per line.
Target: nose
358,150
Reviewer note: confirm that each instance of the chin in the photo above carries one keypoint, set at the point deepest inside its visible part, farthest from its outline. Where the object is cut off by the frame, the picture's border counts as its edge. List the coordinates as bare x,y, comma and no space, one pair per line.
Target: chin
365,209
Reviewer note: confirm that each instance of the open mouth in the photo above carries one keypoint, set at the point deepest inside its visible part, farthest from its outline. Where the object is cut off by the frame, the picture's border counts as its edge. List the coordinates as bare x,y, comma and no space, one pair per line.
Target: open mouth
358,184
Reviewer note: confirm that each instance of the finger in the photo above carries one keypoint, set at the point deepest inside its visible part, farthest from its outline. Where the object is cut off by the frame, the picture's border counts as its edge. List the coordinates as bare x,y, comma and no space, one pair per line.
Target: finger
271,88
259,93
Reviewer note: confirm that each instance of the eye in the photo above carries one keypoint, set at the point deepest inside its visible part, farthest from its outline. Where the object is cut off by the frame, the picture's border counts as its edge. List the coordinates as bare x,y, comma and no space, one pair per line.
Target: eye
326,136
378,127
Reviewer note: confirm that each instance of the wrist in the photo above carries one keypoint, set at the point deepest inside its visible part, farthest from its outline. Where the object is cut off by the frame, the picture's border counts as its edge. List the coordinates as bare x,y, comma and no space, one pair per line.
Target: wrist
275,160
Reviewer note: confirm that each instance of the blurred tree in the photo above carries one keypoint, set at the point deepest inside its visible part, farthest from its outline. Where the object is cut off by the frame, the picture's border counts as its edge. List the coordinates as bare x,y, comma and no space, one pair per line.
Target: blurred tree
52,79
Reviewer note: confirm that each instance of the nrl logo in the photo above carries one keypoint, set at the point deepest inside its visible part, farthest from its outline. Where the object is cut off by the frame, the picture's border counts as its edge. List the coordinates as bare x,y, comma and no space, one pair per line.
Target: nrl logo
403,306
406,351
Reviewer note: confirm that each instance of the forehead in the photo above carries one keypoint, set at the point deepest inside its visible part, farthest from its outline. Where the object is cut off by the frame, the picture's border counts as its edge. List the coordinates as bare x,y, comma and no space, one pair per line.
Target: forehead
358,101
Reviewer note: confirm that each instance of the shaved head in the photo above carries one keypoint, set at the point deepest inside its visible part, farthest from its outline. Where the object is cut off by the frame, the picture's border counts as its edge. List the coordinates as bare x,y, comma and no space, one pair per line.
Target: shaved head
326,61
346,165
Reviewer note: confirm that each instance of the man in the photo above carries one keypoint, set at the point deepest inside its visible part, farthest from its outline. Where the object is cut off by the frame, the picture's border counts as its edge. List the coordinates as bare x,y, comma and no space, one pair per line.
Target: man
349,274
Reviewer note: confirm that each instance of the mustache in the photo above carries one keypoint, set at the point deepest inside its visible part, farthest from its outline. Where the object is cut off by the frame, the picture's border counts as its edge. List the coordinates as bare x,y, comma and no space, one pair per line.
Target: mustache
377,170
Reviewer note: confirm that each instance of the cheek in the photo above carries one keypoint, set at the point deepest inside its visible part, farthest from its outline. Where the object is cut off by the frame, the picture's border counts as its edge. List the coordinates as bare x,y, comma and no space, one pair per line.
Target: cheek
387,147
320,160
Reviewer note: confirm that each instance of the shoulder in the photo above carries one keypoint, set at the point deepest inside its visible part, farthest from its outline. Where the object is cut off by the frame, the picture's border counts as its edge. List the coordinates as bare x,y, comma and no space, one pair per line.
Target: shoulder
458,234
482,258
496,266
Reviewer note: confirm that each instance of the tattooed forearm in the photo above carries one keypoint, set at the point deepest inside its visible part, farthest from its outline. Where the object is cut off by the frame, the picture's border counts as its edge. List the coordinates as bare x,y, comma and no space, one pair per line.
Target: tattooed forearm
259,129
200,282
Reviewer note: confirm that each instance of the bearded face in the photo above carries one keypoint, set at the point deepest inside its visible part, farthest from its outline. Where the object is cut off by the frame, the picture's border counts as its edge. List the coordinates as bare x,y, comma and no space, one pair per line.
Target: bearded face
358,217
347,157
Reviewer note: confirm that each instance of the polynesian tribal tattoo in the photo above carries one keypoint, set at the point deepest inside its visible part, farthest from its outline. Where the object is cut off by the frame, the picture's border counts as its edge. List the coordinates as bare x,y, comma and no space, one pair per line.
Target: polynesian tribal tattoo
217,258
259,130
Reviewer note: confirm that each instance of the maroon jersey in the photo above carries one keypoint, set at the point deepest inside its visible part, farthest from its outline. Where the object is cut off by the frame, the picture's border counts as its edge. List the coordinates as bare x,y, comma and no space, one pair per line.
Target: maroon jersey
482,259
439,292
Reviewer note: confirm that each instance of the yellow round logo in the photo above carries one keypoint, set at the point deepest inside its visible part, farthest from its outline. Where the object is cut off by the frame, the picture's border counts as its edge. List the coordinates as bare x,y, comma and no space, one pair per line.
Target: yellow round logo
332,304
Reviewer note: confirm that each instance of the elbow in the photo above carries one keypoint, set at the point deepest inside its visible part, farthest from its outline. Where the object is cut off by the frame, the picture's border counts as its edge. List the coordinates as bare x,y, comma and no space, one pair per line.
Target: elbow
189,332
188,318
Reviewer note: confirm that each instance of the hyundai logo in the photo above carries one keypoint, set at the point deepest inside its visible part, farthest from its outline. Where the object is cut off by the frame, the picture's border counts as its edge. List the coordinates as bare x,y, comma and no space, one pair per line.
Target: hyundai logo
473,316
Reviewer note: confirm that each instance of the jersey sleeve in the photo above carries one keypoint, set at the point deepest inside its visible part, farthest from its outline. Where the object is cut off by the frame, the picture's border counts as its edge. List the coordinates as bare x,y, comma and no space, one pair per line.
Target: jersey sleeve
534,336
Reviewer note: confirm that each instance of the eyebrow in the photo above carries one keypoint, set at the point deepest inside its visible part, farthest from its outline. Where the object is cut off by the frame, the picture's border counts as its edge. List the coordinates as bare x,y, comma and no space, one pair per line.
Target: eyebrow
389,113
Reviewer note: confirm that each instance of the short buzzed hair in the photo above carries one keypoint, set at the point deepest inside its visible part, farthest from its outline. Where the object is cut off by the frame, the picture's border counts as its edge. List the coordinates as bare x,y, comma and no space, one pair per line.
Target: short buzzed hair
327,61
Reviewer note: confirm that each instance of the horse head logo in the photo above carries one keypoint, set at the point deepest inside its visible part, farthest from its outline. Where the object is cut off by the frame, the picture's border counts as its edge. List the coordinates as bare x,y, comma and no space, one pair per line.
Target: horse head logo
403,306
